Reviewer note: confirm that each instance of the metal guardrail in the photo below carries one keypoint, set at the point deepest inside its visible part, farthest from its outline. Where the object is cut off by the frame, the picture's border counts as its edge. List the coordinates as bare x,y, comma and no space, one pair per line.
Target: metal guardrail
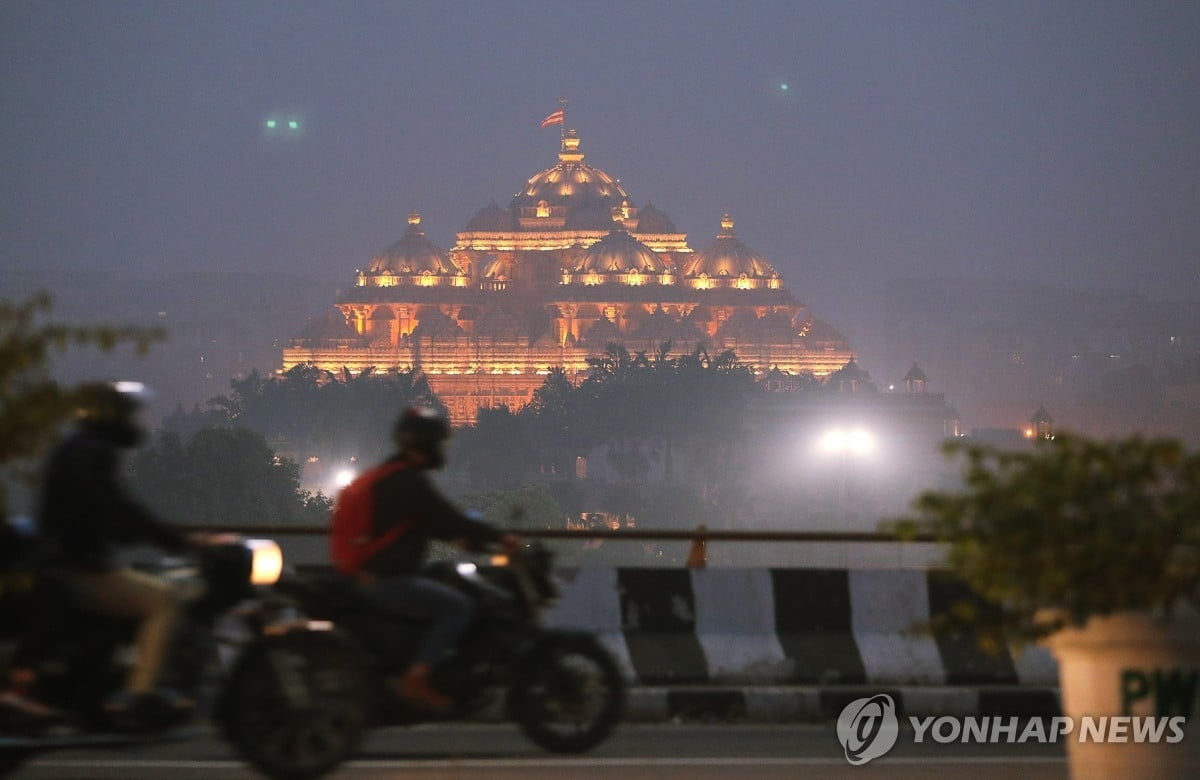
626,533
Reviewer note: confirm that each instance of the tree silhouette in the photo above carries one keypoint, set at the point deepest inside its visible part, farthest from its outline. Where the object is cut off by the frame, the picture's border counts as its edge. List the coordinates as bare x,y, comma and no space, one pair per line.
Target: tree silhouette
33,405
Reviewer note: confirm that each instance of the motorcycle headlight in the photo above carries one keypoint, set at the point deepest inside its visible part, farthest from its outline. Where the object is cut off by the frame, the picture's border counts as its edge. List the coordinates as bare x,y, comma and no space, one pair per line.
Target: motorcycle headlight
266,563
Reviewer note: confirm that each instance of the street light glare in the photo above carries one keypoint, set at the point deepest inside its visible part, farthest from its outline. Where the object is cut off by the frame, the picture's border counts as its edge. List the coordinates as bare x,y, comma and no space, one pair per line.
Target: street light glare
860,442
344,477
839,441
833,441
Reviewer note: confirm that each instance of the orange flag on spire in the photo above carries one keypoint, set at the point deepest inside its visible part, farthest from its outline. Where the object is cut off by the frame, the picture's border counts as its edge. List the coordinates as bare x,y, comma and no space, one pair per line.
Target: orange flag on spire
557,118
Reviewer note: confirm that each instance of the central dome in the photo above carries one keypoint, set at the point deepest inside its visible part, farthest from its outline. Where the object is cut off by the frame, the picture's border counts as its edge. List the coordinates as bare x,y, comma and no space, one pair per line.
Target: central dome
571,194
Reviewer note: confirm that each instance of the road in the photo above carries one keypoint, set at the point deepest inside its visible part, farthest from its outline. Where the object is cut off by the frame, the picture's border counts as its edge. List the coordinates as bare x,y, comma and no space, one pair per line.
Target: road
636,752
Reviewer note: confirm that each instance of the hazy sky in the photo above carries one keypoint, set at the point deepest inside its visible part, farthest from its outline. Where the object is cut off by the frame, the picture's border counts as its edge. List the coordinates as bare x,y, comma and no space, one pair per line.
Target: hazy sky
1056,141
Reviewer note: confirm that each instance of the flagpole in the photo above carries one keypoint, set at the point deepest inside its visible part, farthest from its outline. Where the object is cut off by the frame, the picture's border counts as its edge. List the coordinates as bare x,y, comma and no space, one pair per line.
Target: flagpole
562,131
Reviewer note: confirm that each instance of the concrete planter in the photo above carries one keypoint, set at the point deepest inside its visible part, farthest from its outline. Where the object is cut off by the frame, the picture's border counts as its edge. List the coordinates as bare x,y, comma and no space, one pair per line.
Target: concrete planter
1131,664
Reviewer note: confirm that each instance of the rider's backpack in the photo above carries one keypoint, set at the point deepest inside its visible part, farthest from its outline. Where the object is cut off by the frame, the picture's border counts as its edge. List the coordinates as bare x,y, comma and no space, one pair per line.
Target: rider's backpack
351,530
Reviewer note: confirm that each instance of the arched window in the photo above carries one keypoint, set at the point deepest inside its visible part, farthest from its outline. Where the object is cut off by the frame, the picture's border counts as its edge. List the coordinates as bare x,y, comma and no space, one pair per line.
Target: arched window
543,208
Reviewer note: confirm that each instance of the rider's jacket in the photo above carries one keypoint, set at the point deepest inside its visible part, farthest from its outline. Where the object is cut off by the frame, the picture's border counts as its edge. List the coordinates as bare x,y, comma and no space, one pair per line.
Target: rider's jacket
85,512
408,498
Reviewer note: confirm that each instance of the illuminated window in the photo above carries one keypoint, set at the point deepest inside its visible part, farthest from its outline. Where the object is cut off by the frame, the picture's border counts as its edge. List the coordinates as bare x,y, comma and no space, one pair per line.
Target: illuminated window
543,208
427,279
703,283
743,283
635,277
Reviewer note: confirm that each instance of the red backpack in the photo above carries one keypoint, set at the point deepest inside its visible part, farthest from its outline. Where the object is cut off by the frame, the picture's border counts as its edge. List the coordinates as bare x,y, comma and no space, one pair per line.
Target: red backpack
351,530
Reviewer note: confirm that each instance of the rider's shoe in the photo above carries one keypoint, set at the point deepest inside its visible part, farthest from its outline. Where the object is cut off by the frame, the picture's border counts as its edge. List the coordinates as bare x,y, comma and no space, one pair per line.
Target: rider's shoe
128,712
19,708
416,688
140,712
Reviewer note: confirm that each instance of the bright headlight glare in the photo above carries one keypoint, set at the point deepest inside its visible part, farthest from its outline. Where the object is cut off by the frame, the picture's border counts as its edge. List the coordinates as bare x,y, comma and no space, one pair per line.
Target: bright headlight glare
833,441
267,562
466,569
861,442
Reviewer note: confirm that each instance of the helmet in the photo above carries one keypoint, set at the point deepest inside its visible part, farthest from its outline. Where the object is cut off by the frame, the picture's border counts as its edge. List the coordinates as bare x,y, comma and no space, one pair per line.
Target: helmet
110,410
424,430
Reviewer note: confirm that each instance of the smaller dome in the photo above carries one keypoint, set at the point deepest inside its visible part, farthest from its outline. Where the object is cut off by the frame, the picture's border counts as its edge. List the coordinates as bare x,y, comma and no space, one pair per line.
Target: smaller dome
619,252
728,257
651,220
491,218
413,254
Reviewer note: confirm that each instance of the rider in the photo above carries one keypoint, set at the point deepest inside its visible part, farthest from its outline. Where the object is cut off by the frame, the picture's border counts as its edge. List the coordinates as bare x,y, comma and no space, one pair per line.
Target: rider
86,514
407,497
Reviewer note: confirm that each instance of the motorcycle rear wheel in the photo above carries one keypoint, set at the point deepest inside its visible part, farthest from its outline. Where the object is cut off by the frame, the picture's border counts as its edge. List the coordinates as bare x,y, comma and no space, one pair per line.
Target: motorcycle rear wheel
568,695
299,705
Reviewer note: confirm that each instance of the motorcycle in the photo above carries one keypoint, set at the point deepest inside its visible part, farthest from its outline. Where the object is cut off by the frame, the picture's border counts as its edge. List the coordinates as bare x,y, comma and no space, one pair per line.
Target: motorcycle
307,698
81,658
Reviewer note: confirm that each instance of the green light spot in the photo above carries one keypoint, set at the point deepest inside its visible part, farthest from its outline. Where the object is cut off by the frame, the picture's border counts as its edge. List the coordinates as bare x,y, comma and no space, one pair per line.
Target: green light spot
784,87
270,124
294,125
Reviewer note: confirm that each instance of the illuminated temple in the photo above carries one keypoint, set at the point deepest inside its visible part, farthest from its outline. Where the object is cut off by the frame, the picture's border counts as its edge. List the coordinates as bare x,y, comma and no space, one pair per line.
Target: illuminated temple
570,266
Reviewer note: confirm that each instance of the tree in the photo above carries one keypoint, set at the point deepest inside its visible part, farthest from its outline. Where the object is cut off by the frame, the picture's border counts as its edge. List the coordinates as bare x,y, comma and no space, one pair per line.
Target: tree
530,506
224,476
33,405
312,412
497,450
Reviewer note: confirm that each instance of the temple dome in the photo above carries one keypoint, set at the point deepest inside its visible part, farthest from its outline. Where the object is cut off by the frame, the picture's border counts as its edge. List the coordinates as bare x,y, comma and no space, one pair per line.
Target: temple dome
413,254
619,252
491,218
572,185
728,257
651,220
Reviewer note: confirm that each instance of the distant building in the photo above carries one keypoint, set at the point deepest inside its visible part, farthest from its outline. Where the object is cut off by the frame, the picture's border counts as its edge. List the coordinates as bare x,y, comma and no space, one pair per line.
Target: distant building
846,454
1109,362
570,266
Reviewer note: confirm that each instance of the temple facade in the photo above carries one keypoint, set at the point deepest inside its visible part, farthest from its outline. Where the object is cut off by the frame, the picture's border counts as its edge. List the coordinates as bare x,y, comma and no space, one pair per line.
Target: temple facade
570,266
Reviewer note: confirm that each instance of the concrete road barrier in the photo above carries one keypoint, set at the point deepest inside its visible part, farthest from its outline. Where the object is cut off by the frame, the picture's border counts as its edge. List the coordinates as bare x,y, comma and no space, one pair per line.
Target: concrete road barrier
816,627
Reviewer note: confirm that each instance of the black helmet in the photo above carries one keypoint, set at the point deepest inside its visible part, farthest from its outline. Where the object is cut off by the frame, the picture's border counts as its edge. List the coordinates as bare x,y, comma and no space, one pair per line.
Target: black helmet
422,429
110,410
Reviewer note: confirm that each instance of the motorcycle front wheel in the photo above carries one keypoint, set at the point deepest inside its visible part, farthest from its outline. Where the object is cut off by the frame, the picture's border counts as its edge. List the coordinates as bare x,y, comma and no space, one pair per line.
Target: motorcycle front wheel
298,705
568,694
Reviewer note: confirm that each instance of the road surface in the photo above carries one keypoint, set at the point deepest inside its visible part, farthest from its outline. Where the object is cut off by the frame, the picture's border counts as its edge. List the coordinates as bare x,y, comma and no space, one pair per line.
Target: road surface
636,752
